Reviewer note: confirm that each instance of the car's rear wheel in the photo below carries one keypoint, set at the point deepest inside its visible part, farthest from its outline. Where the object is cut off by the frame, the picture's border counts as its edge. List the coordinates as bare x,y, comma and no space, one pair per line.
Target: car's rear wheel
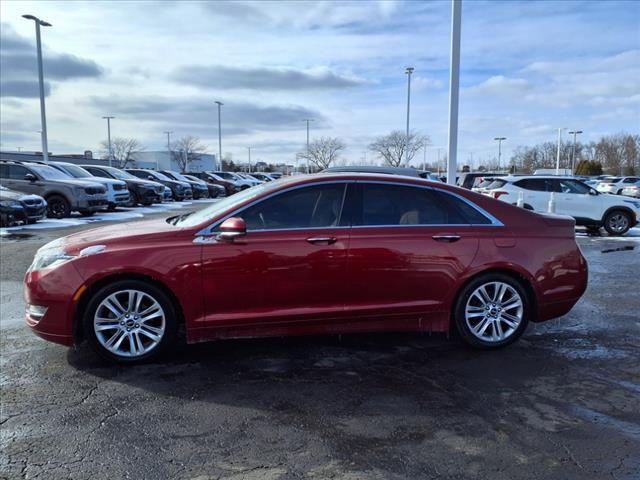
58,207
129,321
492,311
617,222
133,199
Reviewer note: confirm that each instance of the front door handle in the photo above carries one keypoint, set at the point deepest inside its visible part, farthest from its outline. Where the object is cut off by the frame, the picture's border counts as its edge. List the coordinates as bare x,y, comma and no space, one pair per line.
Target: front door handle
322,240
446,238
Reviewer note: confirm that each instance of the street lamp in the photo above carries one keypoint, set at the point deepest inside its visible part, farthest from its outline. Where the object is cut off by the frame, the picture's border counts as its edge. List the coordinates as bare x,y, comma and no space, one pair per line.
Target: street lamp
454,90
573,149
108,119
308,120
219,135
168,151
43,115
408,71
558,151
500,140
249,150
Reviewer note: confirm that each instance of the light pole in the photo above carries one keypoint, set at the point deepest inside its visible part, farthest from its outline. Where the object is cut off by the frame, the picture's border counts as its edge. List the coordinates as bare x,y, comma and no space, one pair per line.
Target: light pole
43,114
220,135
168,150
558,151
249,150
108,119
500,140
573,149
454,90
308,120
408,71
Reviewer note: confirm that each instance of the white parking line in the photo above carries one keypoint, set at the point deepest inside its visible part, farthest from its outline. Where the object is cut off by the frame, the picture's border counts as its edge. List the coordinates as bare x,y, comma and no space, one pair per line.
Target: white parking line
120,214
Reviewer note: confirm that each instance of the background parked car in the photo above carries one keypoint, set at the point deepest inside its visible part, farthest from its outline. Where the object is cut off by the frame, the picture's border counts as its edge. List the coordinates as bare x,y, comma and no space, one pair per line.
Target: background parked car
211,178
34,206
245,176
468,179
615,184
63,193
141,191
180,190
262,176
198,188
632,190
239,182
572,197
215,191
117,192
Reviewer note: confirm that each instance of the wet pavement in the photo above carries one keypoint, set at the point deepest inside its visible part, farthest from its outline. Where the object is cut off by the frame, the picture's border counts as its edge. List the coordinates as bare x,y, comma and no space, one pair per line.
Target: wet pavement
563,402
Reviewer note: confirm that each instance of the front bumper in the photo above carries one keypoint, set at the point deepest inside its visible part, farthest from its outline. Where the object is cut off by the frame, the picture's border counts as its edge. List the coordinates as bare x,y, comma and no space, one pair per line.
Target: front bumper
92,203
54,289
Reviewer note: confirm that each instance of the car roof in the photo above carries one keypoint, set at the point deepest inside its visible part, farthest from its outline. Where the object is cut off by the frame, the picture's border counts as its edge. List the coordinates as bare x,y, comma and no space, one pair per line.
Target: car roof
410,172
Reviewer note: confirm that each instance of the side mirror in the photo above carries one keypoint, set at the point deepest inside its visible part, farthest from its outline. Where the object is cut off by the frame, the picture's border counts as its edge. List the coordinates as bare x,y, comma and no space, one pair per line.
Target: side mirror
232,228
593,191
150,177
31,177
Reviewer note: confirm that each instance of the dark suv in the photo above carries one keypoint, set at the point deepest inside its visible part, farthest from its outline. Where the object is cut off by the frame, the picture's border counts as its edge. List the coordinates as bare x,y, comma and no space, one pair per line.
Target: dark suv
140,191
62,193
181,190
199,188
229,187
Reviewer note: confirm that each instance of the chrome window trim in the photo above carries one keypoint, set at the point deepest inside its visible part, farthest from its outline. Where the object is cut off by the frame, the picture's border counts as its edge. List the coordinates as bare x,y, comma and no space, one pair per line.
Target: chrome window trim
209,230
494,221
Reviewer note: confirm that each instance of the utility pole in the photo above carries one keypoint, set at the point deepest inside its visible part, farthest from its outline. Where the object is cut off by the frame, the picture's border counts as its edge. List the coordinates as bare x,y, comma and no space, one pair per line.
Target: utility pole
249,149
558,151
220,135
573,149
408,71
43,114
108,119
454,90
500,140
308,120
168,150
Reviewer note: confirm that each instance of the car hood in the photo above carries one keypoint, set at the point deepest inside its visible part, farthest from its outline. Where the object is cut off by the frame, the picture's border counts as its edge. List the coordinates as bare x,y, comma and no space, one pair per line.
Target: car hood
104,181
78,183
144,183
10,195
125,234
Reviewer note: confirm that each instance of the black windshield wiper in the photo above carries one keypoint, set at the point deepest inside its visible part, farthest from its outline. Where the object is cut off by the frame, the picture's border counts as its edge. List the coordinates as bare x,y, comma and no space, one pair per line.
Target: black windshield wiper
178,218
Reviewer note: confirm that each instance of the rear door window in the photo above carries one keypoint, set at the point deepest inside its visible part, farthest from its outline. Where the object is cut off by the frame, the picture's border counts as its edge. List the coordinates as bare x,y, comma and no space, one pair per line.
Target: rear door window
17,172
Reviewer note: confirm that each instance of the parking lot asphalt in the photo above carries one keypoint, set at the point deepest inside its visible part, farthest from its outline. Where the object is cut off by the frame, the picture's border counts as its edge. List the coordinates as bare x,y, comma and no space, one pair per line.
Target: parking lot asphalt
563,402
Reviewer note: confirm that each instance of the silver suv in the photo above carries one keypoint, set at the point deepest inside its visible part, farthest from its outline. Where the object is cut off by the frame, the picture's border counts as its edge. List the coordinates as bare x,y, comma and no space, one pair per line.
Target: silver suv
62,193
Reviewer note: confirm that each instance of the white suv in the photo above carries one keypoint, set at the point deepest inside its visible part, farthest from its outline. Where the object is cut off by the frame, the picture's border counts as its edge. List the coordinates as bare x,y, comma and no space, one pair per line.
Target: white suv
572,197
615,184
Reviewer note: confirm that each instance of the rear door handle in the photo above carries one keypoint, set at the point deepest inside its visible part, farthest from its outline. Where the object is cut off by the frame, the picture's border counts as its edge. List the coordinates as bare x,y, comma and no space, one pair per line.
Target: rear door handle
322,240
446,238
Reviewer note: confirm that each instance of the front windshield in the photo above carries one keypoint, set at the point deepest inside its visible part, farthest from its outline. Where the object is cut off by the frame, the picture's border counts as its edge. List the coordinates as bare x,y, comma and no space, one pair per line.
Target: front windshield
76,171
159,175
178,176
50,173
228,203
121,174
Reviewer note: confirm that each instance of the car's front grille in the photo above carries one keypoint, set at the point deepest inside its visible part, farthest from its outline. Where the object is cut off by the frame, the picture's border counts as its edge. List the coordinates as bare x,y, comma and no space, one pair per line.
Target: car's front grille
33,202
119,187
94,191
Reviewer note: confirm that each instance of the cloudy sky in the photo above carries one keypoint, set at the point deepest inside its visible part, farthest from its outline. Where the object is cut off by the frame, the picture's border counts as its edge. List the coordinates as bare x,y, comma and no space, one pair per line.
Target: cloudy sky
527,68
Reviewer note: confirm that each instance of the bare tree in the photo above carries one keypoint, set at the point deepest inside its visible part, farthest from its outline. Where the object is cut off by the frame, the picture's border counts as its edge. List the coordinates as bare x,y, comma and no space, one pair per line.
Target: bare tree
323,151
397,149
186,150
122,150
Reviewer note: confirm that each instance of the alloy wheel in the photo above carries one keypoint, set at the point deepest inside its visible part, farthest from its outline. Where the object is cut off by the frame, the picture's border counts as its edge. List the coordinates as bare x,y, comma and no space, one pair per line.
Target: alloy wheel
494,311
129,323
619,223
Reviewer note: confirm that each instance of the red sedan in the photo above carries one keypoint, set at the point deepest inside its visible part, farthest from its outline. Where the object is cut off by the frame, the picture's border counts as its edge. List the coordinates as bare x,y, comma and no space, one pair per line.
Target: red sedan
329,253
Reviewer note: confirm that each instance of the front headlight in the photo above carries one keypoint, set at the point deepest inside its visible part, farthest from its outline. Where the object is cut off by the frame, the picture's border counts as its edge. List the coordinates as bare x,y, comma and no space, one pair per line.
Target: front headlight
633,202
49,258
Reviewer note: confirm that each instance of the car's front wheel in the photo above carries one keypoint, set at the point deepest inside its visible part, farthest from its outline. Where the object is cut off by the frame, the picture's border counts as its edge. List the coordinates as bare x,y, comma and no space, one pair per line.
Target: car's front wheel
492,311
129,321
58,207
617,222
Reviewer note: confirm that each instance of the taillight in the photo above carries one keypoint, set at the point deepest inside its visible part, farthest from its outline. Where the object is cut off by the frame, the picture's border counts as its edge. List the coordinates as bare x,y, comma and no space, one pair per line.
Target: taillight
497,195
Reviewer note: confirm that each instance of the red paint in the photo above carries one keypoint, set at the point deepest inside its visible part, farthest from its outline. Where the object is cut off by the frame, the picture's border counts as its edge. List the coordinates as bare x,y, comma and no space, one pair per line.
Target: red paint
286,283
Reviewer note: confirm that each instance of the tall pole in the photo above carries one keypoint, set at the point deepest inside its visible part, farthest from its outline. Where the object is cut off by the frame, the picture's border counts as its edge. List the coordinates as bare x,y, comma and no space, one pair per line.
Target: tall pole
454,90
308,120
500,140
408,71
558,151
43,114
108,119
573,149
220,135
168,150
249,149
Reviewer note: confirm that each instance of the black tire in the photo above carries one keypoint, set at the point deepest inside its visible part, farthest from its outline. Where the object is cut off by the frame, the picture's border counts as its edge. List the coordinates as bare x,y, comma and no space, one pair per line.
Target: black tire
58,207
170,318
460,306
133,199
87,213
112,207
617,222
